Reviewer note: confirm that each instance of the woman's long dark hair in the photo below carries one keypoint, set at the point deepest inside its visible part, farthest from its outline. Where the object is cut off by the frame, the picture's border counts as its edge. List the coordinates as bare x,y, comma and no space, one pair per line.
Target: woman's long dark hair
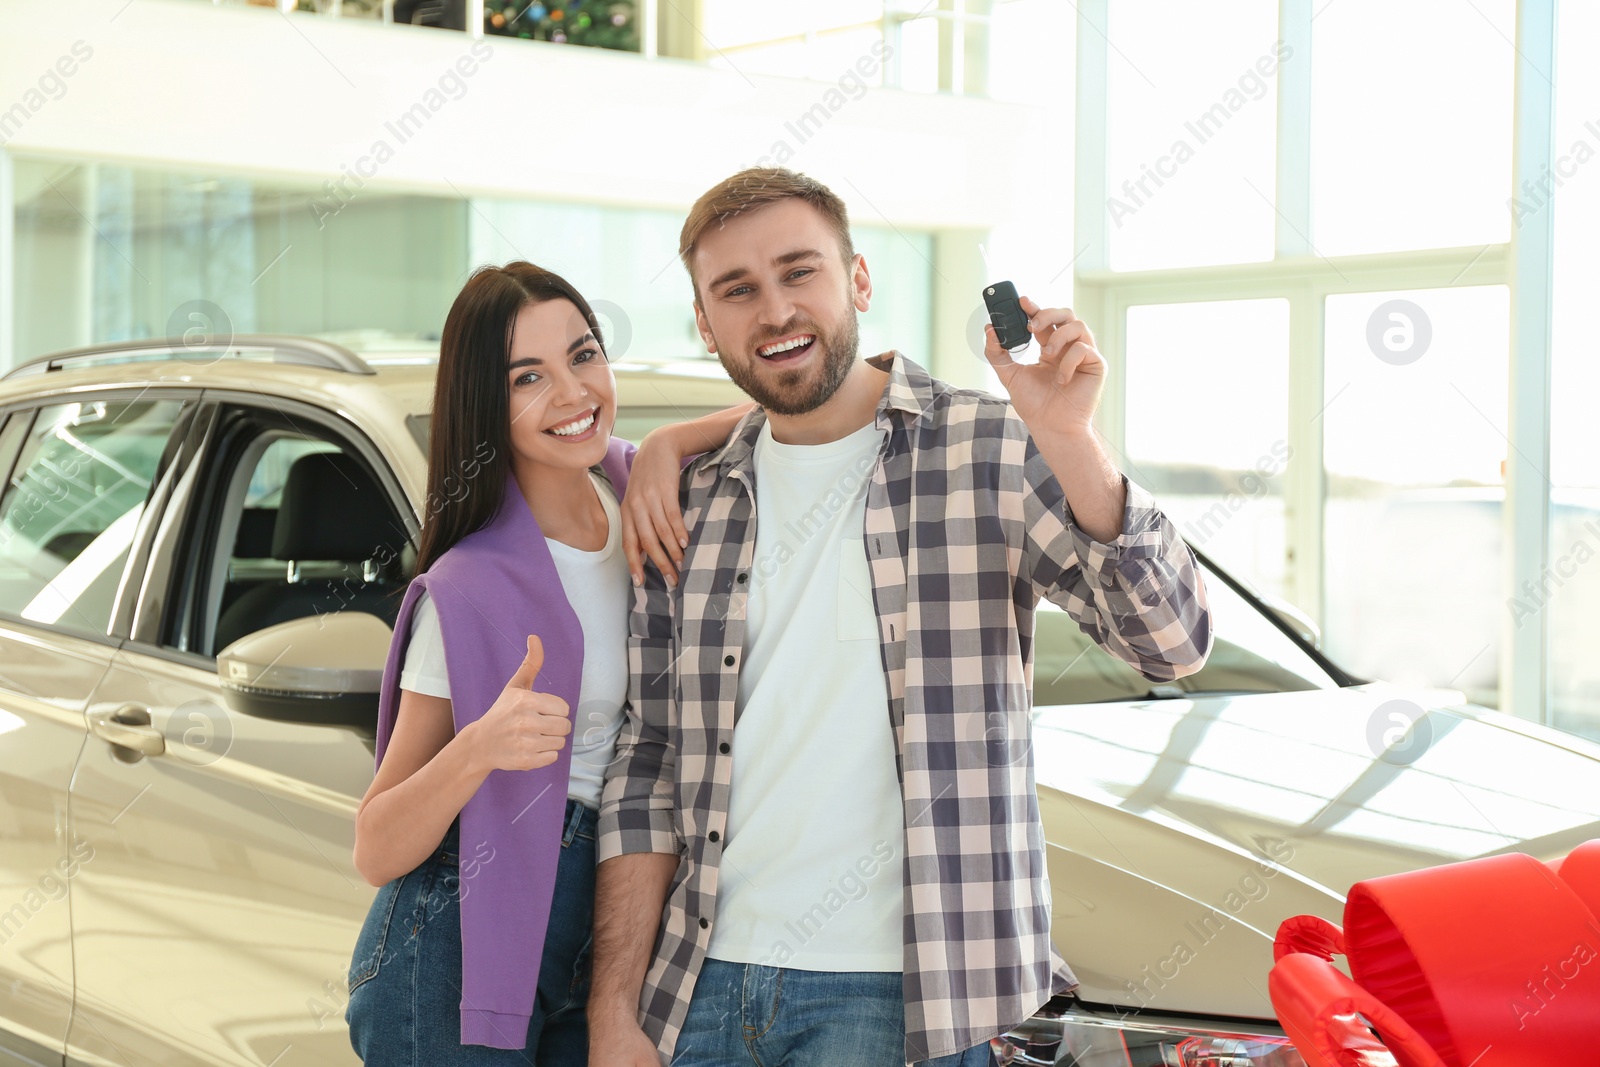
469,442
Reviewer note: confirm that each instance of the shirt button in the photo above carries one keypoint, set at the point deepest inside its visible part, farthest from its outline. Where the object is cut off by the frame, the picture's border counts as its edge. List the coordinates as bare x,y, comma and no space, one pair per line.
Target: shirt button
724,748
712,837
705,924
741,578
727,661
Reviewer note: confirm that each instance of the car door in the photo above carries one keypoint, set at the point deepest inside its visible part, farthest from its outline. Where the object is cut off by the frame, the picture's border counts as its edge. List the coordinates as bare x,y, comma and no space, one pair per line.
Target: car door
216,924
84,478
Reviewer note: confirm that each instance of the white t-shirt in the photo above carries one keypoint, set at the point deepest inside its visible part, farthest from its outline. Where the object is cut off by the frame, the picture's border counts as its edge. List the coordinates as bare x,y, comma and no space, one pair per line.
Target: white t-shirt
597,586
811,864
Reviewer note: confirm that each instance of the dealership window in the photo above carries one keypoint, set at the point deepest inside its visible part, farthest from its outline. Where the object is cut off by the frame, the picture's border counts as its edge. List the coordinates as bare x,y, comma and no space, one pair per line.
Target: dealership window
1025,36
1567,601
1003,49
1380,170
111,253
822,41
1191,102
1411,124
1414,432
1207,428
626,264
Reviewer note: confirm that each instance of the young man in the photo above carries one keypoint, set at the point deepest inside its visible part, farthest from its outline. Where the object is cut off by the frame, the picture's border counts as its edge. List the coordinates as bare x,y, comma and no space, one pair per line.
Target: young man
827,759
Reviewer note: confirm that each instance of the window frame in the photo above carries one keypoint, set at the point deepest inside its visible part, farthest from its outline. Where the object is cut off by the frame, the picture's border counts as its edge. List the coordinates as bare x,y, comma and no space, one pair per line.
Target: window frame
13,423
197,530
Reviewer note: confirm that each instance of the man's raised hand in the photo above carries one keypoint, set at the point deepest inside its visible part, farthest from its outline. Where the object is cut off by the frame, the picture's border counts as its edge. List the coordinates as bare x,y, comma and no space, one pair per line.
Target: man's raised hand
1058,394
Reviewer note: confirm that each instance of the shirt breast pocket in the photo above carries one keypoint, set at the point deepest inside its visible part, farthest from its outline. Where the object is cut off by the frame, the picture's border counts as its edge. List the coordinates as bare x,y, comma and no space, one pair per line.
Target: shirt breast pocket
857,615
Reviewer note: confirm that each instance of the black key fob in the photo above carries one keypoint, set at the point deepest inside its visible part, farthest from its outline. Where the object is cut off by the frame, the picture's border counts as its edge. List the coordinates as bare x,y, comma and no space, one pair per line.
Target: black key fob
1010,323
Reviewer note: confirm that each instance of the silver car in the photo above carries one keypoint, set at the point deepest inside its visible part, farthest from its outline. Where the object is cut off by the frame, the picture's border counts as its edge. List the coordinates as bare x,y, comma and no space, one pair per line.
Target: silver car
203,545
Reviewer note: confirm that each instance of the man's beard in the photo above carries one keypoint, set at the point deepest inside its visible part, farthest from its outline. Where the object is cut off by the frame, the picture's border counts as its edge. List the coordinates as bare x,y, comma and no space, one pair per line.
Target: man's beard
803,390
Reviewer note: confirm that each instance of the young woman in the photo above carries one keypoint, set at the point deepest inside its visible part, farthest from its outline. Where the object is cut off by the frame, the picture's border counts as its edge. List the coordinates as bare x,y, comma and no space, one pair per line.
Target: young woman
503,693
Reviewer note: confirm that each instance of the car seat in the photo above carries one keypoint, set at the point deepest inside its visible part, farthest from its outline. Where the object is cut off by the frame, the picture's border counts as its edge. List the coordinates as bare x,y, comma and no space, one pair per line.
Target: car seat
331,509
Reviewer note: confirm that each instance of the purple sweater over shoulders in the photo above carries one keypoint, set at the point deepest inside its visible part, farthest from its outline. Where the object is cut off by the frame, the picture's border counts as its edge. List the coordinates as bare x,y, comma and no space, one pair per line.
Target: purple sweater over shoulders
492,589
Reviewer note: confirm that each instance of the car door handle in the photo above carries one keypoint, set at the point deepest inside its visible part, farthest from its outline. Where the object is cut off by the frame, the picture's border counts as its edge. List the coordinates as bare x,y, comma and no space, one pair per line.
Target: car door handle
123,727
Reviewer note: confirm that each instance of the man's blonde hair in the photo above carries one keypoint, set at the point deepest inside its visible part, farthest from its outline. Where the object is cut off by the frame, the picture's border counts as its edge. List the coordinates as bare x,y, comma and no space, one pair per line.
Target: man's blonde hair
753,188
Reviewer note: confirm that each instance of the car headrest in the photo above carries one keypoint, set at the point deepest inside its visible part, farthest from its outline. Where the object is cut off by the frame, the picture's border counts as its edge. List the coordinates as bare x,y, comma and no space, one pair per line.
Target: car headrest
256,527
332,509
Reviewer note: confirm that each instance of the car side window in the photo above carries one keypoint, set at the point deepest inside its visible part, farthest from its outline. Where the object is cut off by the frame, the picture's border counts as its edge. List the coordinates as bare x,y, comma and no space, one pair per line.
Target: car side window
300,524
72,504
252,520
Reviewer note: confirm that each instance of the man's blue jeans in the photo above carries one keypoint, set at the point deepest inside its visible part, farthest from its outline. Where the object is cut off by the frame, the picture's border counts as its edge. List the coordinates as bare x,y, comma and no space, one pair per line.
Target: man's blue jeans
747,1015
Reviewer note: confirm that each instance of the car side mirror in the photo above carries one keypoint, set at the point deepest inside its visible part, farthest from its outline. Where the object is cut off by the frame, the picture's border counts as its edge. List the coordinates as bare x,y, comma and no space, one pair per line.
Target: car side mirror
324,670
1298,621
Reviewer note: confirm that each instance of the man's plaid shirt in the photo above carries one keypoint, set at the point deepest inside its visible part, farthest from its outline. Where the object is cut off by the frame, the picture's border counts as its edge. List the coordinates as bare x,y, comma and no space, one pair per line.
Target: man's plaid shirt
966,527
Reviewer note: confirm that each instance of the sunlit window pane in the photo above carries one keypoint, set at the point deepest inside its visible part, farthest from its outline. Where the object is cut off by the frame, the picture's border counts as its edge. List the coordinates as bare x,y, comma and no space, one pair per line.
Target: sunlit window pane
850,58
106,252
623,260
1032,52
917,55
1572,590
1414,438
1411,124
822,41
1191,111
730,23
1207,429
903,323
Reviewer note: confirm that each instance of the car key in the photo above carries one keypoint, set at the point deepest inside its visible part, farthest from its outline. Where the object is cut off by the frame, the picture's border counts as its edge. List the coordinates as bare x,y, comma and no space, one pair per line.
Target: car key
1010,322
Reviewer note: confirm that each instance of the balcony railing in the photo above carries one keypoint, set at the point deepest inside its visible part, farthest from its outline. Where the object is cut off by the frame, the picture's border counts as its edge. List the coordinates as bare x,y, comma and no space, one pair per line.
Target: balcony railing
940,46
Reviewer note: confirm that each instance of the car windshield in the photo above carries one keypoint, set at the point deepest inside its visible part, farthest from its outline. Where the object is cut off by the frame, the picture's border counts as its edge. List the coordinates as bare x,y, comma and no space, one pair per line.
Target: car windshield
1249,654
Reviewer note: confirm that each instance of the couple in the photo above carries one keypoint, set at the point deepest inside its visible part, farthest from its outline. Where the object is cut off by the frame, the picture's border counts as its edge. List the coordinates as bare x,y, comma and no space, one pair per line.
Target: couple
816,840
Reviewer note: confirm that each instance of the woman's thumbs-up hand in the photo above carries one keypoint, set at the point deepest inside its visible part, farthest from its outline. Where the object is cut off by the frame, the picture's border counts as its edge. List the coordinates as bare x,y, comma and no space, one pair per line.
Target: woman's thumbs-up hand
523,730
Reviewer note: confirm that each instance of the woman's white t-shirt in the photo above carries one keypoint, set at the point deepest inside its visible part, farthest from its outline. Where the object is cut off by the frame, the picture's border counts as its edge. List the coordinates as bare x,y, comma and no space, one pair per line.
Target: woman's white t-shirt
597,586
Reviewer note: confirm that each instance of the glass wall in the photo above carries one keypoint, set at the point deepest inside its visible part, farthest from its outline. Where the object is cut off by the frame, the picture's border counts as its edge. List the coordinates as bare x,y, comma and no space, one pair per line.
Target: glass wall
1224,366
1191,102
1367,158
968,47
1565,601
822,41
626,263
1026,39
112,253
1411,124
999,48
1414,443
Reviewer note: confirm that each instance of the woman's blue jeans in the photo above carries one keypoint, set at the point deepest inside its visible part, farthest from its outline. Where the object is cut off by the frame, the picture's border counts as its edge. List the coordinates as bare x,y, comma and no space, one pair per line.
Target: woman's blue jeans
405,973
